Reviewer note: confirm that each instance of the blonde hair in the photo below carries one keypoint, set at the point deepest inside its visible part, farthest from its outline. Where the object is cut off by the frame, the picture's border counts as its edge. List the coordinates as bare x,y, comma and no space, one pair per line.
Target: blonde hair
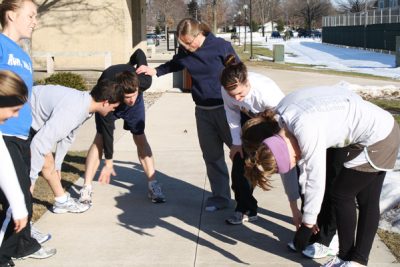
11,85
193,27
259,168
10,5
261,163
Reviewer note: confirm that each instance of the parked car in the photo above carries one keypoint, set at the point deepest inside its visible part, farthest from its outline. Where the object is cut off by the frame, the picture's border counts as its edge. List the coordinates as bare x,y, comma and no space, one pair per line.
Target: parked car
154,37
304,33
234,36
275,34
316,34
309,34
162,36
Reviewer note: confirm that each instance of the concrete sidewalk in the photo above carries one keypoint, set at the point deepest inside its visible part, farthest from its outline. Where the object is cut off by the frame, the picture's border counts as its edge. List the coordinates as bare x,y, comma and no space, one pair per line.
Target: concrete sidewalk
123,228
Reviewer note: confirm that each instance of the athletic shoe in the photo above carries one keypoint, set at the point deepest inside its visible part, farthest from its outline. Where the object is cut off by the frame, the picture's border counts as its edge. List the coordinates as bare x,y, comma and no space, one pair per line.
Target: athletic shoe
155,193
351,264
211,208
291,246
39,236
10,263
334,262
71,205
86,195
318,250
42,253
239,218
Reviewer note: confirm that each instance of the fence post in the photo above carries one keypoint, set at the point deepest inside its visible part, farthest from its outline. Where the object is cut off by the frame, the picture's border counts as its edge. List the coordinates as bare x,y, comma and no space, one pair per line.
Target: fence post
50,64
397,51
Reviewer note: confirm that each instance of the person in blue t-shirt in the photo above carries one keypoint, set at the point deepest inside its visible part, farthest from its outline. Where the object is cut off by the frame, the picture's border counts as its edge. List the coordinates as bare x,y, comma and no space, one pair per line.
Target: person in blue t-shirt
18,19
203,54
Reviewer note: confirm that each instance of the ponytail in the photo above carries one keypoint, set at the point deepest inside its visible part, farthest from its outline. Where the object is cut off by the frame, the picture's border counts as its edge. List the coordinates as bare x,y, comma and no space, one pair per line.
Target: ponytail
233,73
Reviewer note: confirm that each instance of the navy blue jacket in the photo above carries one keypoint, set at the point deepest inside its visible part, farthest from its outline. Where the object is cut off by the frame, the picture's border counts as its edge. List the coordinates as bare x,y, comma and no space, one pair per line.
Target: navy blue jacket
205,66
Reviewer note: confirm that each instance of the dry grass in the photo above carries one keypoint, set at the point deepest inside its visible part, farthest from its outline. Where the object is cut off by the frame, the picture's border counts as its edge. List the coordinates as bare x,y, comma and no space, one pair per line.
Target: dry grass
392,241
43,197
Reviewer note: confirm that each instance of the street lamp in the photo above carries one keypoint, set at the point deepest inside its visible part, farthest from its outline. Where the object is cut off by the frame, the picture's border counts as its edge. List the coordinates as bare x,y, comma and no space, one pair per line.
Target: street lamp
245,7
251,35
365,23
239,14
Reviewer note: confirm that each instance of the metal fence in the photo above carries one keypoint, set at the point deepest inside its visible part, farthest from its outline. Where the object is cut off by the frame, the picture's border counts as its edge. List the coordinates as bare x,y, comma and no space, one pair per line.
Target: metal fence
376,16
377,36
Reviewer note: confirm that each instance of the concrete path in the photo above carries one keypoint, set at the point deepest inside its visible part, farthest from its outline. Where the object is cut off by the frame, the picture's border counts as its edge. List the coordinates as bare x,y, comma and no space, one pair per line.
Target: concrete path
123,228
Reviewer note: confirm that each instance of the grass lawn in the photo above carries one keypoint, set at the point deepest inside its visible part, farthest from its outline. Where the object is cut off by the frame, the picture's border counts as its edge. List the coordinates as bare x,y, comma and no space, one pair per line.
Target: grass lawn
43,198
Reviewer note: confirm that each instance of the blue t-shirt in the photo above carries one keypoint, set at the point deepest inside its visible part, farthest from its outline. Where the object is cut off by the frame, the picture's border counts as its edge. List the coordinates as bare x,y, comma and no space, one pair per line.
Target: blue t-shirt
13,58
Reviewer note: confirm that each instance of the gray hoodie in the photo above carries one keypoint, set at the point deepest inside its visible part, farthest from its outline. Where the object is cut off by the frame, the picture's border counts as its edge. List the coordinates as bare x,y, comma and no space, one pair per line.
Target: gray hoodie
57,113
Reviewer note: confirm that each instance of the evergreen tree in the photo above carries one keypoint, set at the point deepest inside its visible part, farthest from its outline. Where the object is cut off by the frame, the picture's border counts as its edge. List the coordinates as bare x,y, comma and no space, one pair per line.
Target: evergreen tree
193,9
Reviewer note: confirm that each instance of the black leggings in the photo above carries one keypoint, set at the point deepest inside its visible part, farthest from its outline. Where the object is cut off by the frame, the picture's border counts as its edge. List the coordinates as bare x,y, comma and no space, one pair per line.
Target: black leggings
365,187
18,244
245,201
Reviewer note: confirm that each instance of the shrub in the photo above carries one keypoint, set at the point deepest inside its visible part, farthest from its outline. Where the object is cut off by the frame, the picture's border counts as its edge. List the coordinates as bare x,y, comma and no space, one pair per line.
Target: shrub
67,79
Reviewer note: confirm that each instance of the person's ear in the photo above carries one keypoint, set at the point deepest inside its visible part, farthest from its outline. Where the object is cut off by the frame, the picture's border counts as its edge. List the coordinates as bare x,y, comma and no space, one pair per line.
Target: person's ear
11,15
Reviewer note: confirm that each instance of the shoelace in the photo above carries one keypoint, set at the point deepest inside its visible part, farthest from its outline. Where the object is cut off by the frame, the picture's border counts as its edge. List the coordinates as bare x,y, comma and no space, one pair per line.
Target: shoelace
86,193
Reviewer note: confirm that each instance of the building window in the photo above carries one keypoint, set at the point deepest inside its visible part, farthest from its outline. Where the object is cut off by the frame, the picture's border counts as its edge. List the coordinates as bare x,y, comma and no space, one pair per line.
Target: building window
381,4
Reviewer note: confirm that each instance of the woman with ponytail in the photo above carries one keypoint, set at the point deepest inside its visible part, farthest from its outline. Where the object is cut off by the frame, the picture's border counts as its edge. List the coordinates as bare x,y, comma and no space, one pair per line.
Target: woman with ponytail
312,120
244,94
203,54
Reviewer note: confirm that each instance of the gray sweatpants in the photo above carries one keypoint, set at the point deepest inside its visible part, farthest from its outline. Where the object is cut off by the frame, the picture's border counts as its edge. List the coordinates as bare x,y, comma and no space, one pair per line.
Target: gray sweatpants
213,131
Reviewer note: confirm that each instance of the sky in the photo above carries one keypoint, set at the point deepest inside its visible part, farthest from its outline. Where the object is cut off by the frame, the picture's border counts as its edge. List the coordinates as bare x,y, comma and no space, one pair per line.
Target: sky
313,52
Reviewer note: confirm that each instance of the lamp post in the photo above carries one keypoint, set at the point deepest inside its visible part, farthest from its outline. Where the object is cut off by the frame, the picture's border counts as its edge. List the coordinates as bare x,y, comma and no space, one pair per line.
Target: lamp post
245,7
251,35
239,14
365,23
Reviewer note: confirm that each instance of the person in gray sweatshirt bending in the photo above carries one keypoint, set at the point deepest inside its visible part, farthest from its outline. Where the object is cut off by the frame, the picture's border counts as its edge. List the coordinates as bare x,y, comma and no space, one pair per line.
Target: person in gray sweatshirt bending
57,113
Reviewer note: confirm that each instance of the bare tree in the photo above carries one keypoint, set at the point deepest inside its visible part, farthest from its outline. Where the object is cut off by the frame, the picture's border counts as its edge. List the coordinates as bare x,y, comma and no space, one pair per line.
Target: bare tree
265,10
218,9
311,11
353,6
167,13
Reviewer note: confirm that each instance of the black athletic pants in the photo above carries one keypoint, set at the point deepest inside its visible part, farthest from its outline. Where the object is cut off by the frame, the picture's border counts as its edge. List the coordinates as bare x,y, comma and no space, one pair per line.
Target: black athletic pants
240,185
17,244
365,187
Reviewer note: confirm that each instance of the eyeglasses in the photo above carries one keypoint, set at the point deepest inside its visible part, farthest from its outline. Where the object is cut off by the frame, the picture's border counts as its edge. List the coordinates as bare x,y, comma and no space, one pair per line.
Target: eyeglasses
187,44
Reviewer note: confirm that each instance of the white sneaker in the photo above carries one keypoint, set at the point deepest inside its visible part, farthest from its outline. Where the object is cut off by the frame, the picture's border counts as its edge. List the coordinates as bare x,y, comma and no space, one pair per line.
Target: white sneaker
351,264
334,245
239,218
334,262
211,208
291,246
42,253
318,251
86,195
155,192
39,236
71,205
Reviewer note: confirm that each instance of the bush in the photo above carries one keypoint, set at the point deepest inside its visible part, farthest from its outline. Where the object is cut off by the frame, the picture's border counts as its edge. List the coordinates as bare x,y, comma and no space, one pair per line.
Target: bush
67,79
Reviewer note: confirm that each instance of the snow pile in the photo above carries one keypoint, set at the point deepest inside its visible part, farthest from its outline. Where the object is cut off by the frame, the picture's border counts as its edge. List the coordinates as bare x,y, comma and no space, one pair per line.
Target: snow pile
387,91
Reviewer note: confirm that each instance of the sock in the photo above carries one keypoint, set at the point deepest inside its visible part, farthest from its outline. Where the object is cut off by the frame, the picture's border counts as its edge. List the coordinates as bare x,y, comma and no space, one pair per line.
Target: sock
89,186
61,199
151,183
